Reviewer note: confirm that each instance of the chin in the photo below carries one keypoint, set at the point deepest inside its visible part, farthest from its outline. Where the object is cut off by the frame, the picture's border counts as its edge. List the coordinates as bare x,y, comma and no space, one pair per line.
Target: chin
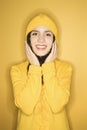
41,53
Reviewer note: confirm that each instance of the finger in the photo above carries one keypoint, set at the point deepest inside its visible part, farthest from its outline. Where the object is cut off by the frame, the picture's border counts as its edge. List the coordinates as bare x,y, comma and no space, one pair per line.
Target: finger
55,48
55,51
29,49
52,49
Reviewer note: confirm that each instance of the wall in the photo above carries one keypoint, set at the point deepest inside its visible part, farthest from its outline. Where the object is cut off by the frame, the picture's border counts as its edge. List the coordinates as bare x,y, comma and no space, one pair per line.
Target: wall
72,18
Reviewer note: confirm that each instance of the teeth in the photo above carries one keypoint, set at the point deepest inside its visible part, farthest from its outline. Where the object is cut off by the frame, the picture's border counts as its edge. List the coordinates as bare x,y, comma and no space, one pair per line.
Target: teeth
41,46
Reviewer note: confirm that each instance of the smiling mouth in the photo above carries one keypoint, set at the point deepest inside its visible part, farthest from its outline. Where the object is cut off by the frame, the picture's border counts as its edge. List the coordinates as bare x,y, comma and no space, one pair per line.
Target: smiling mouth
41,47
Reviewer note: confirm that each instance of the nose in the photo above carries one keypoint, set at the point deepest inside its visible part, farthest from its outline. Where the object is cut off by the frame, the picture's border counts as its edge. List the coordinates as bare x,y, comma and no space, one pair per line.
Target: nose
41,39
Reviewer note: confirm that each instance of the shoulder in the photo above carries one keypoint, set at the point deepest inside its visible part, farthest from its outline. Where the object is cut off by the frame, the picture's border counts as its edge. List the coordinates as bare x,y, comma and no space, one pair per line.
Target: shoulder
62,65
20,67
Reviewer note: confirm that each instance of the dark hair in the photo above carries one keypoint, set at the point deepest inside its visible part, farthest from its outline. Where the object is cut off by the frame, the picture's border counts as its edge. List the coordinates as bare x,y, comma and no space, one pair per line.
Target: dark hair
28,38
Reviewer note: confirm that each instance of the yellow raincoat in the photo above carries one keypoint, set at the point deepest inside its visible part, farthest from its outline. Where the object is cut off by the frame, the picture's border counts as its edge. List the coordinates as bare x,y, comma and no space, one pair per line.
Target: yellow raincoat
42,107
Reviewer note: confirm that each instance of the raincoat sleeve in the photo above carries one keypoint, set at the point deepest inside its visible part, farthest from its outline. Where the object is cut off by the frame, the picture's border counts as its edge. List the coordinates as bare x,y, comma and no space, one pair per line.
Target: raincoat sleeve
26,88
57,82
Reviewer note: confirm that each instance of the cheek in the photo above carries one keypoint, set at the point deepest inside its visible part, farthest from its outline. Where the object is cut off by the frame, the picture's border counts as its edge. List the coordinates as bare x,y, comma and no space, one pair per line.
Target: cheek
49,40
33,40
33,46
49,43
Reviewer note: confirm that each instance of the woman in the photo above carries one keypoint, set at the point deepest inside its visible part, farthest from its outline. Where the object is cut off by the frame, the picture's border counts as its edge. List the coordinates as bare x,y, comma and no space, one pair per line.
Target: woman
41,84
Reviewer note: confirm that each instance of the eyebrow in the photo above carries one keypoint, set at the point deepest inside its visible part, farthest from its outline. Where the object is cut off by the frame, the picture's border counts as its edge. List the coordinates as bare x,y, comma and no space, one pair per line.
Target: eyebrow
34,31
38,31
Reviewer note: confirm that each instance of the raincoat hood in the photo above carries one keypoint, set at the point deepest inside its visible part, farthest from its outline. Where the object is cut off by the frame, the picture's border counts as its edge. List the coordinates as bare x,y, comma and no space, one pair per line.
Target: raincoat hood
42,20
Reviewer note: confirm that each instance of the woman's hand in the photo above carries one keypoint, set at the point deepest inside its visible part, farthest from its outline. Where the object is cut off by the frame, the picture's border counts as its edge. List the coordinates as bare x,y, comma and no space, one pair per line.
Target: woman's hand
30,55
53,54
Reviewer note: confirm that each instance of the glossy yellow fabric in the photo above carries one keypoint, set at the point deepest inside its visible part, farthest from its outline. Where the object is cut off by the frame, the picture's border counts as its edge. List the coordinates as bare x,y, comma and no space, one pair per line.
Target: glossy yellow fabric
42,107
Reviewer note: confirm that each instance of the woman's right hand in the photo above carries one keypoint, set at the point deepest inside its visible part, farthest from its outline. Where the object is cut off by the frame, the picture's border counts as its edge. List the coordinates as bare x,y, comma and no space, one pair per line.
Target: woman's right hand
31,56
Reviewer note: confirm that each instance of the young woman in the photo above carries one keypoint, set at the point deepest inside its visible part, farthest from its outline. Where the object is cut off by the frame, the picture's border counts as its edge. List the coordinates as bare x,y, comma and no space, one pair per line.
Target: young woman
41,84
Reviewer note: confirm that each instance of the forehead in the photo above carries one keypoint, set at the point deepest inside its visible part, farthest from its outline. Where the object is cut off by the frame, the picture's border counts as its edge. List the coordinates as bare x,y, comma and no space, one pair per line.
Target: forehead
41,29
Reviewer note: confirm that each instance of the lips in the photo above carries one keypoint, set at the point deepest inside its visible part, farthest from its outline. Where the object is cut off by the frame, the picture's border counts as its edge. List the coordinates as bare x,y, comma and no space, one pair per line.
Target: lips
41,47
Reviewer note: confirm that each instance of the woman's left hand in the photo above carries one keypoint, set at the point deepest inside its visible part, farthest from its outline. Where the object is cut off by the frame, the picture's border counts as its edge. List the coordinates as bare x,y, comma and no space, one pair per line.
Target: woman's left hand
53,54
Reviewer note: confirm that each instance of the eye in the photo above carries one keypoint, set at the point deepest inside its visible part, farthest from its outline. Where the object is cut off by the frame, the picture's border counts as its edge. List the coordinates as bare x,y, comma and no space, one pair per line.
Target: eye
49,34
34,34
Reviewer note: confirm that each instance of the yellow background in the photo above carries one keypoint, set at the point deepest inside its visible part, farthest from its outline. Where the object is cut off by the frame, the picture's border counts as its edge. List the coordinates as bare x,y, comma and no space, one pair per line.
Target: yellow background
72,18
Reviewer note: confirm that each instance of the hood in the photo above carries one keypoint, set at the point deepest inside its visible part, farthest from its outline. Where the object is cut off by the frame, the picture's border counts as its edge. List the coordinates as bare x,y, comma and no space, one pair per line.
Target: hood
42,20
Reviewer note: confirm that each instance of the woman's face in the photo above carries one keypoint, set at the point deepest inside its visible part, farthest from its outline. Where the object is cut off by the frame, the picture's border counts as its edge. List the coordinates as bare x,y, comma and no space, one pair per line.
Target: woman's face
41,40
